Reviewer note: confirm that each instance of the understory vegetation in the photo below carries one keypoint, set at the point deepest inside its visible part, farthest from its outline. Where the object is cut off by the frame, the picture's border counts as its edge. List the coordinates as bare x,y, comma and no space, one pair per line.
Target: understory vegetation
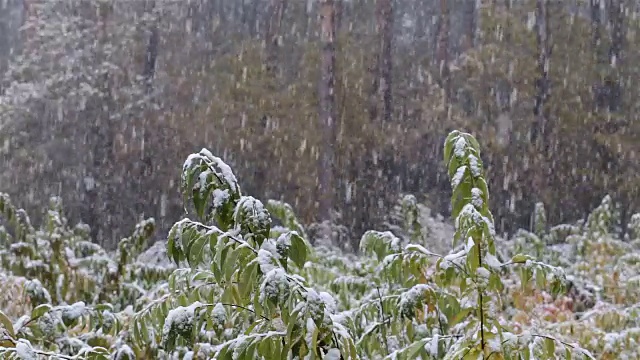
236,285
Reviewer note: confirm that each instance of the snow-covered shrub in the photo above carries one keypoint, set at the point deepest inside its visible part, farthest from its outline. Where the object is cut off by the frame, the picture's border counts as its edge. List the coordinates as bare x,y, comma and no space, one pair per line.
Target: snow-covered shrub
63,273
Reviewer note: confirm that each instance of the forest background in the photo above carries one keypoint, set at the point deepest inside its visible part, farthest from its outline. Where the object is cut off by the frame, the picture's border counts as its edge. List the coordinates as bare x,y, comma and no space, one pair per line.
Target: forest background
334,106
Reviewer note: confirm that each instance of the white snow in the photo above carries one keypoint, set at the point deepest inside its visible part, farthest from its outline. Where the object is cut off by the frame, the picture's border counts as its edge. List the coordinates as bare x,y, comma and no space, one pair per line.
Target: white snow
220,197
74,311
274,285
410,298
333,354
458,176
219,314
180,318
460,146
25,351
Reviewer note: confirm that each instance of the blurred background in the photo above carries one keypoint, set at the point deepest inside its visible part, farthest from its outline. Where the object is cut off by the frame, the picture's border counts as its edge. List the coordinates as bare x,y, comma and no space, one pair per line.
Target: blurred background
334,106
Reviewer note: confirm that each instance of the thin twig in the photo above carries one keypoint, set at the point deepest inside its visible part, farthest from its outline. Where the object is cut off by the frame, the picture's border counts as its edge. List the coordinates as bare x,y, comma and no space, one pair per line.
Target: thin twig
243,308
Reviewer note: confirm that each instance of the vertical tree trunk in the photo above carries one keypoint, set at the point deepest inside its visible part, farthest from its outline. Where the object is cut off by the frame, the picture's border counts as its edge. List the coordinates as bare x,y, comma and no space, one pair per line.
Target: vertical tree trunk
596,20
327,108
151,52
100,187
275,13
420,29
616,18
339,14
380,97
508,5
253,18
542,83
470,24
148,73
385,62
442,48
616,10
596,38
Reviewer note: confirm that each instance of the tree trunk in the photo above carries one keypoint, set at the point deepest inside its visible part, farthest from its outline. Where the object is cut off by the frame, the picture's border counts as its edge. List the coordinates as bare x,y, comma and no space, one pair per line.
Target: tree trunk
327,109
339,14
596,38
151,53
508,36
616,18
542,83
252,19
596,20
275,13
470,24
385,63
442,48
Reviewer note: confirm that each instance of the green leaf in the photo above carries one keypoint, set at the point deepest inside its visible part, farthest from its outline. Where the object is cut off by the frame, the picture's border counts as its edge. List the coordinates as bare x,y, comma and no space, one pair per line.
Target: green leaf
247,280
173,249
520,258
39,311
541,279
525,276
205,195
459,198
550,347
7,324
298,250
196,250
230,264
495,282
314,341
473,259
412,350
449,143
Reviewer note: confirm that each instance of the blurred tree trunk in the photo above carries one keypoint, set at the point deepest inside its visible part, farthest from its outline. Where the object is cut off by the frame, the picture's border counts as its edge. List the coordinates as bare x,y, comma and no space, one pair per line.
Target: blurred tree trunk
595,26
616,19
470,24
99,183
542,83
327,109
151,52
442,48
146,163
251,9
380,98
385,62
596,39
420,29
274,13
508,36
12,17
339,15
